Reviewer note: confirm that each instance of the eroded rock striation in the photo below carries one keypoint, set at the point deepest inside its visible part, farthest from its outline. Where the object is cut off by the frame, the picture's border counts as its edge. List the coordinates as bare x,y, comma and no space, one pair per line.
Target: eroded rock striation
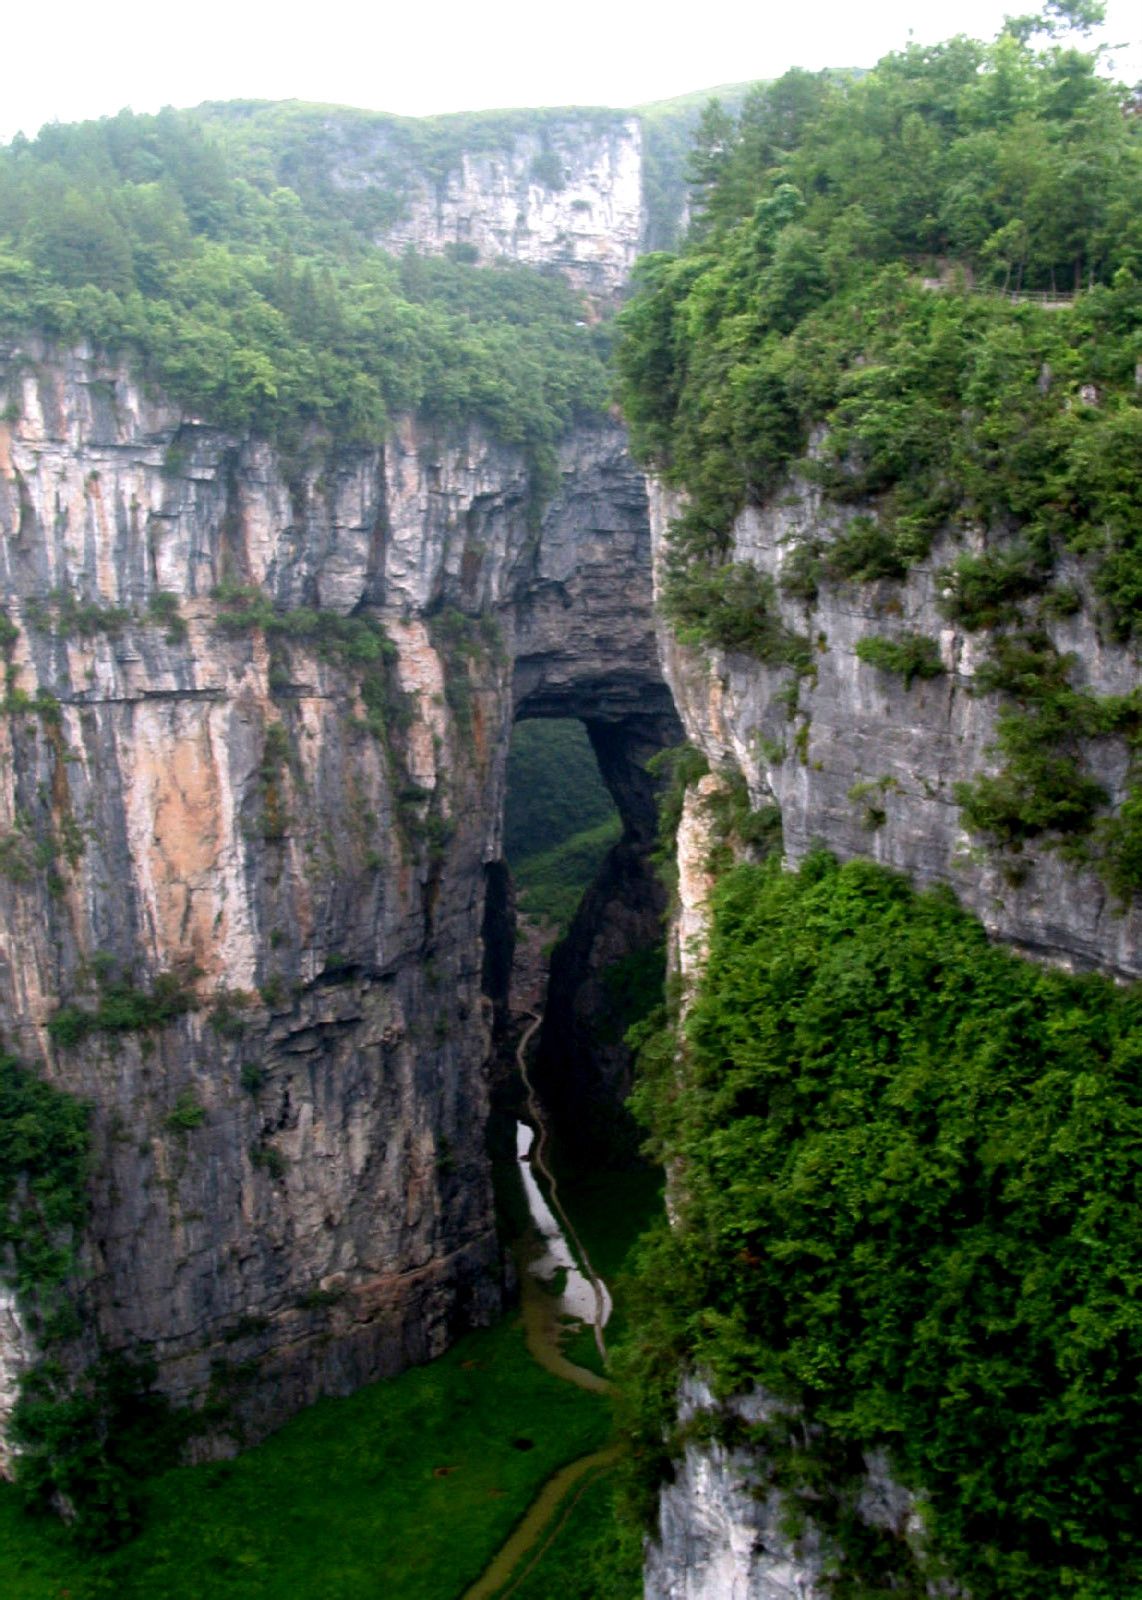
867,764
251,770
562,190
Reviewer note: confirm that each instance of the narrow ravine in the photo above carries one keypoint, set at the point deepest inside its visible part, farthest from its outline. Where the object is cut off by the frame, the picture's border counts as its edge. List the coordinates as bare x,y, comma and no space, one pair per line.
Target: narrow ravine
553,1251
584,1295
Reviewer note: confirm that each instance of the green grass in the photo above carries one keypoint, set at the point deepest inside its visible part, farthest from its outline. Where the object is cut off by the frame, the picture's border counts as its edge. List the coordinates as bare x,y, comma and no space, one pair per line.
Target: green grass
554,789
551,885
584,1561
610,1210
590,1554
344,1502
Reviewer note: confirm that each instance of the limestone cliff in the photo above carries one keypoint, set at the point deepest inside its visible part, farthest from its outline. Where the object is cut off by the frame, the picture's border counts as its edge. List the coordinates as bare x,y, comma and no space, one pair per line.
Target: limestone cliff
726,1533
569,196
564,190
865,765
219,783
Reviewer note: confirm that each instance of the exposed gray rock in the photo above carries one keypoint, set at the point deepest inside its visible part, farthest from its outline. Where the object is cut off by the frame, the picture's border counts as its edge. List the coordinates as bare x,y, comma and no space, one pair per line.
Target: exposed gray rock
17,1351
216,805
857,725
726,1533
566,193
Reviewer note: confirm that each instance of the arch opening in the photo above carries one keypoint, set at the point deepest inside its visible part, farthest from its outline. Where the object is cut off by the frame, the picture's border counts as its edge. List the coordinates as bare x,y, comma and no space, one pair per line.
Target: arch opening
587,907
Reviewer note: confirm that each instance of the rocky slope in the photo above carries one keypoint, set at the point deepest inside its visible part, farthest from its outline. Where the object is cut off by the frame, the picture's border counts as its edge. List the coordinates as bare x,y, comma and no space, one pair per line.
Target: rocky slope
566,190
255,805
568,197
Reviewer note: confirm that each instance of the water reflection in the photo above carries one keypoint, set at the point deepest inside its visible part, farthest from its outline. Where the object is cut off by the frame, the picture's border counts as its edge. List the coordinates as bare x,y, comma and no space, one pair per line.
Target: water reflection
585,1299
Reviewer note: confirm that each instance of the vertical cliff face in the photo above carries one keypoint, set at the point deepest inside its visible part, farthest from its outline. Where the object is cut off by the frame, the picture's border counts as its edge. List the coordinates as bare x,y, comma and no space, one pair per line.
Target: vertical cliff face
569,198
726,1533
866,765
548,189
251,770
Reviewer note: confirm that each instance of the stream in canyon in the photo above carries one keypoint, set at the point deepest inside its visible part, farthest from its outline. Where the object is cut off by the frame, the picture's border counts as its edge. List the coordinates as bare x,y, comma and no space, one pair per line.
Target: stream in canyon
560,1292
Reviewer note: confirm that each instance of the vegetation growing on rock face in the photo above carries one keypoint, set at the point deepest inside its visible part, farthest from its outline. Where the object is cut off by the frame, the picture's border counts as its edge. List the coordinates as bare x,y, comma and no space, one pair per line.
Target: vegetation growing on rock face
306,148
907,1207
797,307
911,656
256,310
906,1161
87,1431
43,1173
795,334
124,1008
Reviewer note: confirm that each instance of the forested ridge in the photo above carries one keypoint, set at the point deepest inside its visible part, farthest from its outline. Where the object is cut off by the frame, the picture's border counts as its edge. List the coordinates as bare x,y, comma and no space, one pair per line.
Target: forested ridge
254,310
851,309
905,1161
798,304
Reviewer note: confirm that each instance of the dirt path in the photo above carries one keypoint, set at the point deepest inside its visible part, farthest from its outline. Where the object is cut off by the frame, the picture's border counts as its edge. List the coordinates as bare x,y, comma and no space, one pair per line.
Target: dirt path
544,1330
528,1533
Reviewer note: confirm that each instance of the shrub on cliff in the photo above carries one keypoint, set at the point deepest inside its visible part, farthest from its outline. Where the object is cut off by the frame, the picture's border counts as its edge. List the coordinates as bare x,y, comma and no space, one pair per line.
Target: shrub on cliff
256,309
907,1204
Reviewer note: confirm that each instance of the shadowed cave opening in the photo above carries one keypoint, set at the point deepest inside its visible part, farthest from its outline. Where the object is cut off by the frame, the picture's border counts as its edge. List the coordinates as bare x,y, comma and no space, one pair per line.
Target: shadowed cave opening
575,919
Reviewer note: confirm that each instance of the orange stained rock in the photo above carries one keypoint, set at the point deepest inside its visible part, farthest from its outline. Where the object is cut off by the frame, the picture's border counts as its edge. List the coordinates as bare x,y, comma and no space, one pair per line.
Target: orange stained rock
180,779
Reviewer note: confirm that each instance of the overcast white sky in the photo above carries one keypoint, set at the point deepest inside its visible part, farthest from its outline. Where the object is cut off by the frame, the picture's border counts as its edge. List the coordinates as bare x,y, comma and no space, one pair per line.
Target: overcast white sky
83,58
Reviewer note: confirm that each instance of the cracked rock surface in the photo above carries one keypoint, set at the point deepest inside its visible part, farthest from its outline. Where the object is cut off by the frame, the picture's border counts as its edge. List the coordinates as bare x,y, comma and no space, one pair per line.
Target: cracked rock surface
290,1192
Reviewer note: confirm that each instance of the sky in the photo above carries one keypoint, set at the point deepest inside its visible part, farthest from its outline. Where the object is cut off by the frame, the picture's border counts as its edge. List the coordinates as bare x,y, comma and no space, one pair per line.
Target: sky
77,59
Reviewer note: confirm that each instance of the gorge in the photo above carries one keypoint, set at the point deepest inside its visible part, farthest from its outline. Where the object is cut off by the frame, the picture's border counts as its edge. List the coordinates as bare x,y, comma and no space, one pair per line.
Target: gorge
260,687
326,925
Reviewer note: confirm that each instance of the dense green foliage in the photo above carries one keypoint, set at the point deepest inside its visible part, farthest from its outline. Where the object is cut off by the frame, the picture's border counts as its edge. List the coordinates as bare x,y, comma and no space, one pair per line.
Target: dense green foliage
142,233
554,790
89,1439
734,607
910,1210
668,129
407,1488
43,1195
911,656
798,304
552,883
85,1438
